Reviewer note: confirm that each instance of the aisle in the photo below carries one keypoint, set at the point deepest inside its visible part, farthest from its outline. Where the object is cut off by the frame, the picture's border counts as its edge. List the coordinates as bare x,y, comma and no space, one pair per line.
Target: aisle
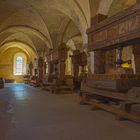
38,115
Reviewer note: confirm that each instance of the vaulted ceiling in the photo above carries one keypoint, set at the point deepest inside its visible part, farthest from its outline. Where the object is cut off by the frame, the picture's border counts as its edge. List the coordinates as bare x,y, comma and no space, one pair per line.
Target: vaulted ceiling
44,24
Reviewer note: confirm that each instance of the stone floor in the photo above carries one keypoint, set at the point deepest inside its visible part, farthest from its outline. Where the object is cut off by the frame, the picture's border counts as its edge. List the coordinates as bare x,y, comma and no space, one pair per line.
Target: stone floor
37,115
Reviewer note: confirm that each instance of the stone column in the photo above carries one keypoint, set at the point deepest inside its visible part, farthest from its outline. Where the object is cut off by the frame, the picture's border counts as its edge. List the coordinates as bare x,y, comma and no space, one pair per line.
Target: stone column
36,66
75,59
62,70
31,68
44,67
49,62
40,68
62,55
49,68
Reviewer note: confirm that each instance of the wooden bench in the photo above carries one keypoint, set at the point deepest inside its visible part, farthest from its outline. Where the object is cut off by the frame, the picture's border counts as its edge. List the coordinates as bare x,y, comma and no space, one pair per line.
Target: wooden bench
34,81
100,94
55,86
2,83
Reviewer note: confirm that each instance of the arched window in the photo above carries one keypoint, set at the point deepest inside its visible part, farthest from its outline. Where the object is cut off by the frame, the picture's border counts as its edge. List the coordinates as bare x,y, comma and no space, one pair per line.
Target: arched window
20,64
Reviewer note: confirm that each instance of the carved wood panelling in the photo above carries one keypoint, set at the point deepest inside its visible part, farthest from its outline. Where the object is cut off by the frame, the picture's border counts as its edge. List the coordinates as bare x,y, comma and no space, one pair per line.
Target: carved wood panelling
123,28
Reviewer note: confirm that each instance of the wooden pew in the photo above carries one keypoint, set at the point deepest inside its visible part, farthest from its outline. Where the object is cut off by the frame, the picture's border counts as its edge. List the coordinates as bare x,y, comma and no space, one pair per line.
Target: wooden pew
121,91
34,81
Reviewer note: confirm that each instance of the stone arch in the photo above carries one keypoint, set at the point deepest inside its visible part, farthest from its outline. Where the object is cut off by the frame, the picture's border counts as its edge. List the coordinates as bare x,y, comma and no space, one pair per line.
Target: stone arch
119,5
22,45
71,9
26,30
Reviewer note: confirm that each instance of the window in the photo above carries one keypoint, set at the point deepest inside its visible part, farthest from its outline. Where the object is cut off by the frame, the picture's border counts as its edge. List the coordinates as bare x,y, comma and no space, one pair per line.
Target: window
19,65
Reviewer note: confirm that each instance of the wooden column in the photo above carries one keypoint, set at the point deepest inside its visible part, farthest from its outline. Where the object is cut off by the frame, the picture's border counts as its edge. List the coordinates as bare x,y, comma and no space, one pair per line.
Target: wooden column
119,57
99,56
83,61
99,62
136,52
98,18
110,60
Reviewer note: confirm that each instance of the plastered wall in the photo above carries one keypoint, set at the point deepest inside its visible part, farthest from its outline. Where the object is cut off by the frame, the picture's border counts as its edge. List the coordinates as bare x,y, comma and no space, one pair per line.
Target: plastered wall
6,64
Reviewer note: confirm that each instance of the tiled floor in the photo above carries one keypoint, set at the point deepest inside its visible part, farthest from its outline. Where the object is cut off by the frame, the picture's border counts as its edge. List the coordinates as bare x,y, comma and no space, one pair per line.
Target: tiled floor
38,115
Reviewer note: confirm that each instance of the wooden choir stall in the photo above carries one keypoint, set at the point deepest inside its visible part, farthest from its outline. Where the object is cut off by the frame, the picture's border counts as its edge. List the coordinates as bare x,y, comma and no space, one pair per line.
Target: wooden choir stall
56,80
79,60
112,87
36,72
